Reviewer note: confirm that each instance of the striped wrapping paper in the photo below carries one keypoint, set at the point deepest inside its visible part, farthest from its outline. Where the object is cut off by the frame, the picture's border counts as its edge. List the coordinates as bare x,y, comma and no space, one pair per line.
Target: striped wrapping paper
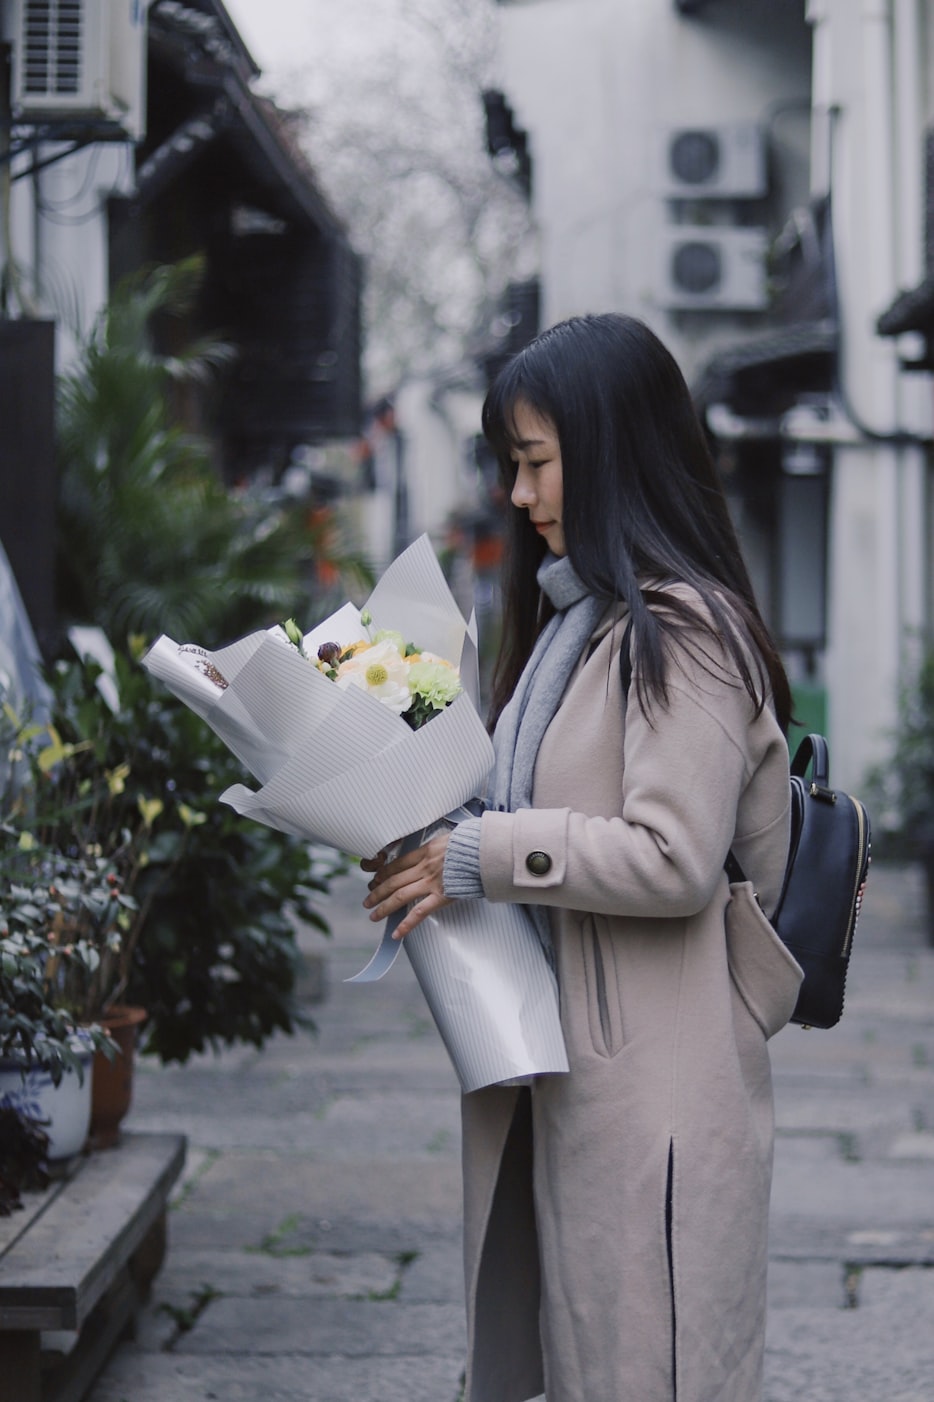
336,766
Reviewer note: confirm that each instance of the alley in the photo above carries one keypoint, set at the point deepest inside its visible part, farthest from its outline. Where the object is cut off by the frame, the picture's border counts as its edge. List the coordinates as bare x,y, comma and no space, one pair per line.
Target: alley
314,1243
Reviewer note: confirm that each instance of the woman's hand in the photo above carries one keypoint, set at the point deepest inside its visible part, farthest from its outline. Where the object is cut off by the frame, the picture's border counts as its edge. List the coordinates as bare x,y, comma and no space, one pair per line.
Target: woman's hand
416,876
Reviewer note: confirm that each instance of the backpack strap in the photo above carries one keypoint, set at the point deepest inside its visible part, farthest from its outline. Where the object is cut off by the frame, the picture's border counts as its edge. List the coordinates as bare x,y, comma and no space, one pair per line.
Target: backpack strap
625,659
733,869
813,750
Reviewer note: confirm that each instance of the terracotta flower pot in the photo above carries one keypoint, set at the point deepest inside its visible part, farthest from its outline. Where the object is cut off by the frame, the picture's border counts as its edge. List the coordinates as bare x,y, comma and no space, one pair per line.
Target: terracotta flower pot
112,1087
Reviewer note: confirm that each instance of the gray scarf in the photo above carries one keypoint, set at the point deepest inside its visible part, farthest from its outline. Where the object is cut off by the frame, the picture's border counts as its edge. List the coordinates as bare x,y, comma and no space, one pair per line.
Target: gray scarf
538,693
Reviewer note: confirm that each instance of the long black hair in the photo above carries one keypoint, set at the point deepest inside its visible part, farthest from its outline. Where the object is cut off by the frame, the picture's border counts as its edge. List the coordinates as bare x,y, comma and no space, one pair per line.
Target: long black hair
643,505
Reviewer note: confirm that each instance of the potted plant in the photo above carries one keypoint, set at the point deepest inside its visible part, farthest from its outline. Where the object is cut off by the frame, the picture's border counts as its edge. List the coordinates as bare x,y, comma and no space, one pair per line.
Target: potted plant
214,957
122,770
53,920
903,786
68,870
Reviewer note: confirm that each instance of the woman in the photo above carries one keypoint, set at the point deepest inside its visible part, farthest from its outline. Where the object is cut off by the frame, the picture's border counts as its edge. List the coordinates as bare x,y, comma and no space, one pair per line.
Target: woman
616,1217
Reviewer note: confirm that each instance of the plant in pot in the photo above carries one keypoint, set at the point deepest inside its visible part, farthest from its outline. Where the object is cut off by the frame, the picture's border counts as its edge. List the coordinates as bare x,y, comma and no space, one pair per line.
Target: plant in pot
53,919
210,949
150,539
68,869
903,786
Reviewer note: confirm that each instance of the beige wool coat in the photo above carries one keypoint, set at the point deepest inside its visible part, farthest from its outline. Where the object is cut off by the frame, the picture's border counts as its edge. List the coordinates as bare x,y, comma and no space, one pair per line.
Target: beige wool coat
616,1217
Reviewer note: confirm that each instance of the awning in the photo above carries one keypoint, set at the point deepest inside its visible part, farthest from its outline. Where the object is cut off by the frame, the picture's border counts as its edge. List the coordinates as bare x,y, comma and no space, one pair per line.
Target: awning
911,311
213,74
766,375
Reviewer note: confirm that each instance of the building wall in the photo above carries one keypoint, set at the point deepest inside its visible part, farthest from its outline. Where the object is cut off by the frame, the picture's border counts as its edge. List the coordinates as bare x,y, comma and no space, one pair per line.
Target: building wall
870,101
594,81
59,236
438,425
845,93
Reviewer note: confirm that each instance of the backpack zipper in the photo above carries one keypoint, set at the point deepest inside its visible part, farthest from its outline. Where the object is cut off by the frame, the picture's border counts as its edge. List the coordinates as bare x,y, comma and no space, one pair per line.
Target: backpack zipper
861,867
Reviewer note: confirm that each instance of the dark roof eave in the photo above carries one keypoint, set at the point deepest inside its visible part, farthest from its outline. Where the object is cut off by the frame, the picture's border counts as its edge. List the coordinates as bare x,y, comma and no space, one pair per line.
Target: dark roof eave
236,38
294,185
278,169
911,311
782,350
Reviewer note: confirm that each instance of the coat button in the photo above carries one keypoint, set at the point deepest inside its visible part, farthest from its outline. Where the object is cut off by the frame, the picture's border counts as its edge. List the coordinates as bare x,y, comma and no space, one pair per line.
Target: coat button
538,863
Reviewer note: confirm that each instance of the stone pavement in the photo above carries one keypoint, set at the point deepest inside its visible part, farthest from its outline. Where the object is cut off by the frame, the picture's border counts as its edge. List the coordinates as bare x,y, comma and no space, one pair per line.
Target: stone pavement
314,1242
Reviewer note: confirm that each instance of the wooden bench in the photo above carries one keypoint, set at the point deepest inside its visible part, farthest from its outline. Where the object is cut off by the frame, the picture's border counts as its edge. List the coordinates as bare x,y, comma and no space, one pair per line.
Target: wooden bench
80,1257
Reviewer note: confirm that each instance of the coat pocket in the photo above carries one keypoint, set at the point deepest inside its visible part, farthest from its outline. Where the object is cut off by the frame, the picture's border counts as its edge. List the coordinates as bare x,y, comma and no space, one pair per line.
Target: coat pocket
604,1006
767,976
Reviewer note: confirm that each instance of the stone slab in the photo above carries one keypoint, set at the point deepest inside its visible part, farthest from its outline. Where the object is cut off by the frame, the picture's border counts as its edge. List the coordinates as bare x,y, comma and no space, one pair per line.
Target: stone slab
437,1274
849,1240
413,1190
340,1233
884,1348
869,1194
353,1329
290,1271
913,1146
829,1111
795,1284
134,1377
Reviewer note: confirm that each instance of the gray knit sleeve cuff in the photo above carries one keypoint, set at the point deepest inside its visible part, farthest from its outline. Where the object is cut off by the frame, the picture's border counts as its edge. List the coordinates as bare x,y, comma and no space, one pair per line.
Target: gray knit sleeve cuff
462,861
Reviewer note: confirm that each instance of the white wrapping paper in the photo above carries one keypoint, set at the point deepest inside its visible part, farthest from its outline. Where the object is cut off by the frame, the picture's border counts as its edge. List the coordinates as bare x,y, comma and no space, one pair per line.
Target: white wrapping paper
336,766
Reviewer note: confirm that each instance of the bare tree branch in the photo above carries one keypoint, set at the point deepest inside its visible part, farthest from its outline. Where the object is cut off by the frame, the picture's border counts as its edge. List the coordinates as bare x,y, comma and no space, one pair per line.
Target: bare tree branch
399,142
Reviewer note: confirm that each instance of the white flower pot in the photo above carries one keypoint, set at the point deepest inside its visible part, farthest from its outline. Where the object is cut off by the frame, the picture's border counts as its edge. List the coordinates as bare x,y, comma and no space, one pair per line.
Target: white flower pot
66,1107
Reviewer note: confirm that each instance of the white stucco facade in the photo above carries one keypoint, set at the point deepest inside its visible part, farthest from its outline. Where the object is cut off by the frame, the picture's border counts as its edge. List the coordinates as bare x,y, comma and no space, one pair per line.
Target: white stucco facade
842,90
870,95
597,83
54,225
58,237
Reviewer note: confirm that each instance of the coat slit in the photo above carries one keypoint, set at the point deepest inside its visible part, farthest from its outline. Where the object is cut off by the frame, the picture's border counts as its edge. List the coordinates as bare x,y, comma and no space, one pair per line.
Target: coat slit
603,1006
507,1363
669,1243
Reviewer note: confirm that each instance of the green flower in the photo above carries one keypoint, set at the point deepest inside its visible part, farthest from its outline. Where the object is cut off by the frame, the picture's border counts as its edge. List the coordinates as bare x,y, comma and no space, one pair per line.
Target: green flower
435,683
389,635
294,634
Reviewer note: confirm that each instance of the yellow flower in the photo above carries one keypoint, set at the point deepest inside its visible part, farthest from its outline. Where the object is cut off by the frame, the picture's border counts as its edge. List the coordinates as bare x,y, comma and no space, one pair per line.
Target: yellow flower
149,809
116,778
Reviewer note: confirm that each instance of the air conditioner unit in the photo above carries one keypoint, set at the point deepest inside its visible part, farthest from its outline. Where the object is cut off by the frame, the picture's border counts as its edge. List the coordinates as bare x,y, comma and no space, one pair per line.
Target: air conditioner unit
711,162
712,268
77,61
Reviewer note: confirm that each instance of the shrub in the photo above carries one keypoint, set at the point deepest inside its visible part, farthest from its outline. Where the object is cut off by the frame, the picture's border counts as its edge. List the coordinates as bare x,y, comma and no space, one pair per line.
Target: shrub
214,955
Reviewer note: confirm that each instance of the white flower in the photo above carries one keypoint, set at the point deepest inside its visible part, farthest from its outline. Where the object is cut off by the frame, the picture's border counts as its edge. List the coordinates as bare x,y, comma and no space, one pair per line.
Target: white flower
381,671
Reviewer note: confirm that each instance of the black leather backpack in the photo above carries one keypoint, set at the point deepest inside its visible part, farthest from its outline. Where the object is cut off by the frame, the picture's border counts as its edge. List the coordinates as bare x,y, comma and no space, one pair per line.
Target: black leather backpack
822,892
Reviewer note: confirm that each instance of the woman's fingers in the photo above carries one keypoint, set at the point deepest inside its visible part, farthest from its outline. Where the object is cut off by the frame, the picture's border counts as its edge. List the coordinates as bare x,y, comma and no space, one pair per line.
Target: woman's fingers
416,877
391,893
425,907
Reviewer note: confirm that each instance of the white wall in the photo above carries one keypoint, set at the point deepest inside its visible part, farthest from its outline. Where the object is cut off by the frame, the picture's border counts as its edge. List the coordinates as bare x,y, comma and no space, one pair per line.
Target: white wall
59,235
870,69
437,426
590,79
593,80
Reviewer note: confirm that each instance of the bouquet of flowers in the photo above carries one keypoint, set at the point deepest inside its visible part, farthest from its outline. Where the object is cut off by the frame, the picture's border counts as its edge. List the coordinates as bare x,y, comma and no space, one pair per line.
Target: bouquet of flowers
359,733
415,684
